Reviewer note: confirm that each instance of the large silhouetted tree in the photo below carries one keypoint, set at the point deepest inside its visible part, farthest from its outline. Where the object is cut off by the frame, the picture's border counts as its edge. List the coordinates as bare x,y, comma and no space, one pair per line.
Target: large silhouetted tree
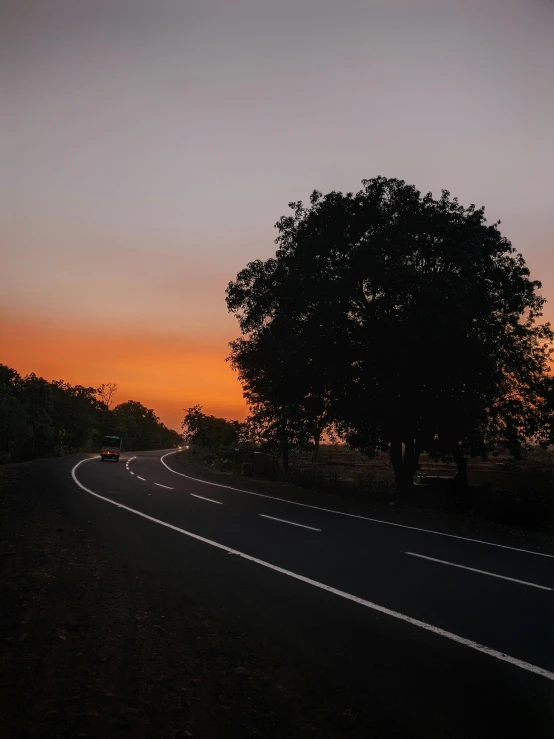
421,319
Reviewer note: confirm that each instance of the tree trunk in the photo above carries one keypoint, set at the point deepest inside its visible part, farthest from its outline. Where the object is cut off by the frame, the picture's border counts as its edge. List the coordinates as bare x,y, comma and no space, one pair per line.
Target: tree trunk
404,466
317,440
461,486
395,454
285,453
461,464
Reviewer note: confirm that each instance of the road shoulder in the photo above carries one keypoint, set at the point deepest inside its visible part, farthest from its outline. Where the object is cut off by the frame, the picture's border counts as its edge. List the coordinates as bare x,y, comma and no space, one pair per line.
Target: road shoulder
96,647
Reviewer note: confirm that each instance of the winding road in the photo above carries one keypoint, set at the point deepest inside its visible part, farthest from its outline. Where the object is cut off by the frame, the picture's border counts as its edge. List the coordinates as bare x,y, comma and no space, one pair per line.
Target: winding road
434,629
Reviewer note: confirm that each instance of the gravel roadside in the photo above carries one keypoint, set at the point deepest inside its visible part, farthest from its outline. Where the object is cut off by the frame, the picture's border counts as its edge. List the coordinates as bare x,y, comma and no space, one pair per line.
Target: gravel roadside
93,647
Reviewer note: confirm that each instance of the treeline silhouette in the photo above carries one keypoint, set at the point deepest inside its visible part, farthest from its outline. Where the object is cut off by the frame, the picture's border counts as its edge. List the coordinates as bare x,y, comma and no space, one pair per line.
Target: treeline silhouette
40,418
229,445
398,322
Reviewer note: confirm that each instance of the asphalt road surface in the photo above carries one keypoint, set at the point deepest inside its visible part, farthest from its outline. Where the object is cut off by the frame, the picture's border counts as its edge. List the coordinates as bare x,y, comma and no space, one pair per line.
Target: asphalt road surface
440,635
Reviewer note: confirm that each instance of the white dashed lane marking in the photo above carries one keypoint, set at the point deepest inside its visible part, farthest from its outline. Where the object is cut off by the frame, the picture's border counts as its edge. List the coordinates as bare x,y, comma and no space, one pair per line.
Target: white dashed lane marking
292,523
351,515
208,499
480,572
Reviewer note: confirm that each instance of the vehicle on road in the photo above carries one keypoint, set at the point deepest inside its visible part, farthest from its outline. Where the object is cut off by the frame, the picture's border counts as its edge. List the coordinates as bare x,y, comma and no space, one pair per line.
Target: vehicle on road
111,448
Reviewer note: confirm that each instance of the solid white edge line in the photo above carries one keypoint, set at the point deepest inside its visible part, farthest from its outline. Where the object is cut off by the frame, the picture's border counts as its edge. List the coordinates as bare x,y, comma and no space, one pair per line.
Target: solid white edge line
373,606
481,572
141,478
208,499
292,523
353,515
159,484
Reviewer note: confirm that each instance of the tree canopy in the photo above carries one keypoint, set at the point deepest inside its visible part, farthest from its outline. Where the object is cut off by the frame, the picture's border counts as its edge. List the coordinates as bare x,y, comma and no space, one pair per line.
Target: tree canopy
141,428
406,322
209,431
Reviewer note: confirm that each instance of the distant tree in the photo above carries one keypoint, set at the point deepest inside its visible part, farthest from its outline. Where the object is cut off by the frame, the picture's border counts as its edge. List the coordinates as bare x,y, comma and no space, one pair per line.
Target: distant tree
138,425
203,430
41,418
8,376
37,396
420,318
106,391
141,429
168,437
14,428
75,415
193,425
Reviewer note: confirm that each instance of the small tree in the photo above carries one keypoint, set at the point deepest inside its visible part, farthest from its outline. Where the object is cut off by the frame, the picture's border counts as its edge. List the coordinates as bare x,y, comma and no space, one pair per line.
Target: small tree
106,391
209,431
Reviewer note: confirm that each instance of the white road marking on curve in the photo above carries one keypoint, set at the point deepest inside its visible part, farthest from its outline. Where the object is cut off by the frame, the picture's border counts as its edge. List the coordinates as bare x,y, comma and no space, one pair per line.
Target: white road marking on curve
328,588
292,523
159,484
481,572
352,515
208,499
141,478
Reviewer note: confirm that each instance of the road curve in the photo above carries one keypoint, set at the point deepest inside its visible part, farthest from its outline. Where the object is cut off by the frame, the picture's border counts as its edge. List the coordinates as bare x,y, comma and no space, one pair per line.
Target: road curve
447,635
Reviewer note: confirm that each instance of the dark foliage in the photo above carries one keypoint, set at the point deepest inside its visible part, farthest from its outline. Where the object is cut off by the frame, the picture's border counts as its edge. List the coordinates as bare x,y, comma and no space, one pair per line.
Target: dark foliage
40,418
209,431
406,323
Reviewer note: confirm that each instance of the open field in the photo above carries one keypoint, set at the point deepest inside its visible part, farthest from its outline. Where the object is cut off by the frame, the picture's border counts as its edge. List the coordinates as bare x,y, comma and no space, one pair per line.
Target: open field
516,492
500,473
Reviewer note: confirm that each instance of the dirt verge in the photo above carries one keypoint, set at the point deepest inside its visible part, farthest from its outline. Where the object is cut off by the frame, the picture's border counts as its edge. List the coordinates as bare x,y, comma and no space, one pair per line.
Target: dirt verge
93,647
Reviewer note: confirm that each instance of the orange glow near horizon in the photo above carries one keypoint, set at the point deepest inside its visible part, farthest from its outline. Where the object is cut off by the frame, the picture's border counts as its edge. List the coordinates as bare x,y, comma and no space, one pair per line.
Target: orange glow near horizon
140,178
167,373
164,373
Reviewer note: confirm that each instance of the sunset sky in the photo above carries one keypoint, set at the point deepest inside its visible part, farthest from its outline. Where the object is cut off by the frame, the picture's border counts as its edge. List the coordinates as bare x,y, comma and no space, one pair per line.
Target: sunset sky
148,148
